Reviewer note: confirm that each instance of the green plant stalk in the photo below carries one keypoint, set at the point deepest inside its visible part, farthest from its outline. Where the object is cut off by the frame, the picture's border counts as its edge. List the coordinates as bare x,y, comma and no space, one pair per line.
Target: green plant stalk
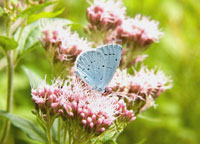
59,128
10,73
64,136
49,135
10,67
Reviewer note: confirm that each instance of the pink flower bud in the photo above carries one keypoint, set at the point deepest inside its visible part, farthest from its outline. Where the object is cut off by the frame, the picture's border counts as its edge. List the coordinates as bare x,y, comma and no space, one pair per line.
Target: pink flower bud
84,122
102,129
89,119
91,124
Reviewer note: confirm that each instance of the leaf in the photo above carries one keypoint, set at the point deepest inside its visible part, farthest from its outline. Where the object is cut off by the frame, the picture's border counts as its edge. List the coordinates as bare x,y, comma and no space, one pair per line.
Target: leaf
75,26
142,141
148,118
29,11
34,79
1,11
7,43
35,17
27,126
29,37
109,142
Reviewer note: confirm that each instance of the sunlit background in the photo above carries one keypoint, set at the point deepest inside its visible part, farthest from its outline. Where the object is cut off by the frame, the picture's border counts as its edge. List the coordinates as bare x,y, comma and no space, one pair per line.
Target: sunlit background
176,120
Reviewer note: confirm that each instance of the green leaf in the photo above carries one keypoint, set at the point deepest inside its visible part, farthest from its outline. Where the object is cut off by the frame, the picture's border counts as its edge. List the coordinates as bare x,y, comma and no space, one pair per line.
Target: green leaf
27,126
109,142
142,141
29,36
75,26
7,43
1,11
34,79
29,11
35,17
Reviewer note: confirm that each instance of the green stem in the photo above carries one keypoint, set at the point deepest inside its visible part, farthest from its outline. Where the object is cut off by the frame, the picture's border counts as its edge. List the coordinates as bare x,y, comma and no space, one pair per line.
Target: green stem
10,68
59,126
49,135
64,136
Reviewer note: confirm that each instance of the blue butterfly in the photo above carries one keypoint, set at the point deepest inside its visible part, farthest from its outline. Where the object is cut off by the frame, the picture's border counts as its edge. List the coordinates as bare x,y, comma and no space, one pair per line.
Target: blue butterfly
97,67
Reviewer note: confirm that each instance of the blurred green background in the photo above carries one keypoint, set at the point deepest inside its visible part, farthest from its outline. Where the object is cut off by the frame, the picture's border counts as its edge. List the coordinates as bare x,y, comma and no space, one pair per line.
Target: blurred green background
176,120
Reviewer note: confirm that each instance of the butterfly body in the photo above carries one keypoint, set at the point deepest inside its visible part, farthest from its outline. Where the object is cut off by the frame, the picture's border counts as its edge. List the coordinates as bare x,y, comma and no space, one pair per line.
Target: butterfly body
97,67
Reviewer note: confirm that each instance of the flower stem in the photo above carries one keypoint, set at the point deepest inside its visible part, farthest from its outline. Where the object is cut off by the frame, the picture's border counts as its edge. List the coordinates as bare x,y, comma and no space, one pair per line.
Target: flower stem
59,128
64,136
10,68
49,135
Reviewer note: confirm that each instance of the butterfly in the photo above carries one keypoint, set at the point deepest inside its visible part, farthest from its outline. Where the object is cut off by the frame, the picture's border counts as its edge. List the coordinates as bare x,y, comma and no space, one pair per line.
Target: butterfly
97,67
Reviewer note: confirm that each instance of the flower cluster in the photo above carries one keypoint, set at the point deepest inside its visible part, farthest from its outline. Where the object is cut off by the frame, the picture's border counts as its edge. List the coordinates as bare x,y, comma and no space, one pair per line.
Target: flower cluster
105,14
138,31
90,109
48,98
63,44
145,85
108,20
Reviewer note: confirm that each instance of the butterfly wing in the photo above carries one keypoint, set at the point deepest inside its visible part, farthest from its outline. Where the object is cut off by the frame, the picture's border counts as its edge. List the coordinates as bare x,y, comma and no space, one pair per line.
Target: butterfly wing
112,54
90,67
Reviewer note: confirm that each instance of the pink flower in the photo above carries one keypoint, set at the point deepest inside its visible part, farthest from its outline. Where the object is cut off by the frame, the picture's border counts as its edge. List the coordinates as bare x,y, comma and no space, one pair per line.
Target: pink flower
76,101
49,98
96,111
105,14
63,44
144,86
149,82
139,31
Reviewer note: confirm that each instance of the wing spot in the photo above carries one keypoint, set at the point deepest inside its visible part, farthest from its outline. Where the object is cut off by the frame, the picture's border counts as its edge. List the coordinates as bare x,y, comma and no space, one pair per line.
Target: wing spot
103,66
115,59
85,76
113,54
88,69
105,54
110,54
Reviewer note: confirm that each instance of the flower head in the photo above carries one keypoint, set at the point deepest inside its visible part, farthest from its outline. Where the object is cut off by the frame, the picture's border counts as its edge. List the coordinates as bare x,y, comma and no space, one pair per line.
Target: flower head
96,111
105,14
64,44
143,87
149,82
48,98
139,31
77,103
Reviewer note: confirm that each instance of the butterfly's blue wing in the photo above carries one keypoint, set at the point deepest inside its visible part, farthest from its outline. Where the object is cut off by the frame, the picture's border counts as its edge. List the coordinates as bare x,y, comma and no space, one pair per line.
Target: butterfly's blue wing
112,54
90,67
